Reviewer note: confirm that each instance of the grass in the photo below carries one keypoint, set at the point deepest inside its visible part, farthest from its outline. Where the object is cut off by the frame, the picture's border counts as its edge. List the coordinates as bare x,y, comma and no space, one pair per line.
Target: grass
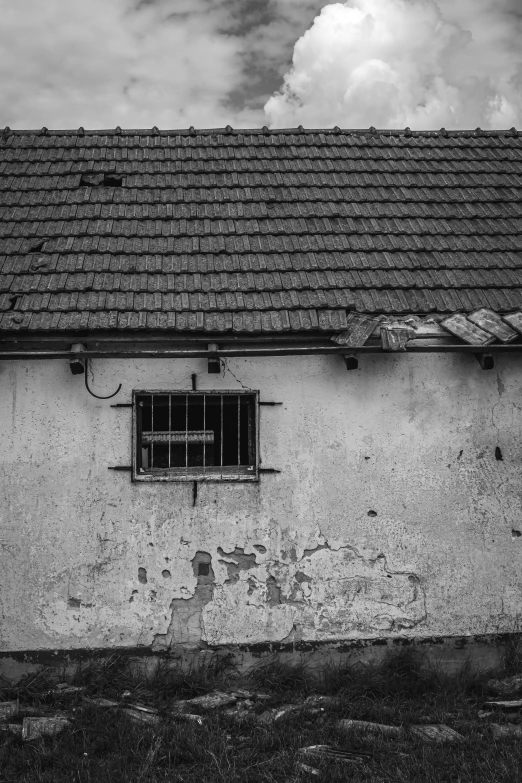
103,745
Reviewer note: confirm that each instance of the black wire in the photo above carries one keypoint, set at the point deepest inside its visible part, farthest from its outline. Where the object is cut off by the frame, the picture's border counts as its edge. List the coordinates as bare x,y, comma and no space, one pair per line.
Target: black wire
98,397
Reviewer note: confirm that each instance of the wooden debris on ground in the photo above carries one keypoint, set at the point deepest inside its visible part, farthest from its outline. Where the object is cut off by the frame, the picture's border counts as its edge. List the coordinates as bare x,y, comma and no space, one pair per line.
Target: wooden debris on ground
370,728
308,769
241,693
437,732
141,717
62,689
142,708
510,704
241,711
213,701
139,713
508,686
8,708
332,753
188,717
507,731
240,702
100,701
69,690
43,727
278,713
206,703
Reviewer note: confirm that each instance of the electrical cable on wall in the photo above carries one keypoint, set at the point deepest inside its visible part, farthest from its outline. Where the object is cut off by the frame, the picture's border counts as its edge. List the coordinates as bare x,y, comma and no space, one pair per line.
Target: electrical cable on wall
98,396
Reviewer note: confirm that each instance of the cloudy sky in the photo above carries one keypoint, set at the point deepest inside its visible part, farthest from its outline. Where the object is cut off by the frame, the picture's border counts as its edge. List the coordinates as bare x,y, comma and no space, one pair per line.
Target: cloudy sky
248,63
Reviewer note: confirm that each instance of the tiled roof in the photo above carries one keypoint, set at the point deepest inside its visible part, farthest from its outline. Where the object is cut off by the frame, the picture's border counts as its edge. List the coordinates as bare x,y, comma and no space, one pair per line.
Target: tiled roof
253,231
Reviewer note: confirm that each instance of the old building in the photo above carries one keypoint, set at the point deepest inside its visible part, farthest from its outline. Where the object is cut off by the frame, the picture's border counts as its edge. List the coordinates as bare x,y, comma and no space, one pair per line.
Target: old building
259,387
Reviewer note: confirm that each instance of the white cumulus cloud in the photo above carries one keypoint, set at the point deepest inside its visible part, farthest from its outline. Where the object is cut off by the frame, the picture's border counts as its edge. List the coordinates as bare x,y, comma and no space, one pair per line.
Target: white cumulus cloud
102,63
397,63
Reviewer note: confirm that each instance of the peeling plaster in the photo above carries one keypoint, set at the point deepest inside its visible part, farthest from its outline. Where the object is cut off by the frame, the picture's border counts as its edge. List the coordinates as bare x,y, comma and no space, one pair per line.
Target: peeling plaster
235,562
327,594
185,626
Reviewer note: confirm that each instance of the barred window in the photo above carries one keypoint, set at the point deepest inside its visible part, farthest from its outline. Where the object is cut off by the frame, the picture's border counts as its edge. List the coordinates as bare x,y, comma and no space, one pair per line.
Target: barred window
195,436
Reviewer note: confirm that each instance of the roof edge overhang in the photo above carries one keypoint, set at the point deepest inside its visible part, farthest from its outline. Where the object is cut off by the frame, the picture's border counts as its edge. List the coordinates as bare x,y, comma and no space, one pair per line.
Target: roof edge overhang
193,352
428,336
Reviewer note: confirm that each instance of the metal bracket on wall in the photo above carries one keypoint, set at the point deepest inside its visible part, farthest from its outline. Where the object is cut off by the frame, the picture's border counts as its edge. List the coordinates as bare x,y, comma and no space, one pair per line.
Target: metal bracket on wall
269,470
351,361
122,405
119,467
486,360
261,402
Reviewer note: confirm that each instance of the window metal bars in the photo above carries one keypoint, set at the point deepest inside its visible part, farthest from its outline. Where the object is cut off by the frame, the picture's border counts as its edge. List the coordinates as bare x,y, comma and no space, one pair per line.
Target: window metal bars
151,463
221,439
204,430
186,431
171,434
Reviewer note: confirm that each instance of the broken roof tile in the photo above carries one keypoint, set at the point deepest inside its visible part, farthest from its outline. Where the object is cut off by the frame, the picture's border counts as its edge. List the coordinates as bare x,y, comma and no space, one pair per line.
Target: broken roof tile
490,322
461,327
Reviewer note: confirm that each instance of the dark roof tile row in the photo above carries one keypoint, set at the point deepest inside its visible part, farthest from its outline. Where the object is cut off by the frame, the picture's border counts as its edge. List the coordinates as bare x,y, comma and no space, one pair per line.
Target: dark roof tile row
260,209
266,300
78,157
301,226
306,195
170,169
246,321
196,264
273,177
228,282
280,243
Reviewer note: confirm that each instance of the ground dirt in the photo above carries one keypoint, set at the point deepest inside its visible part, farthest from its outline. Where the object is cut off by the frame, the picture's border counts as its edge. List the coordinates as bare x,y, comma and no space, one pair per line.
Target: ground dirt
259,737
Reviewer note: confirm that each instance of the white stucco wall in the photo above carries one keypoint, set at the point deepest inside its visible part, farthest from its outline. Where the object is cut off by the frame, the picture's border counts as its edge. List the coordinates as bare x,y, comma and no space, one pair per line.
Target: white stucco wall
409,437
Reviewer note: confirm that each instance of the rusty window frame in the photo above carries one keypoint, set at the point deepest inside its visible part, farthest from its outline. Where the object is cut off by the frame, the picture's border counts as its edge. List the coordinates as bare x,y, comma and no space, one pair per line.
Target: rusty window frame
246,437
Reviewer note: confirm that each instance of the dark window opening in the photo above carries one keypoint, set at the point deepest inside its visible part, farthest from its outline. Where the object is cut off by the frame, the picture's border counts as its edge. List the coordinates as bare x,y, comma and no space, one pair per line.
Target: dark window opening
195,435
112,180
